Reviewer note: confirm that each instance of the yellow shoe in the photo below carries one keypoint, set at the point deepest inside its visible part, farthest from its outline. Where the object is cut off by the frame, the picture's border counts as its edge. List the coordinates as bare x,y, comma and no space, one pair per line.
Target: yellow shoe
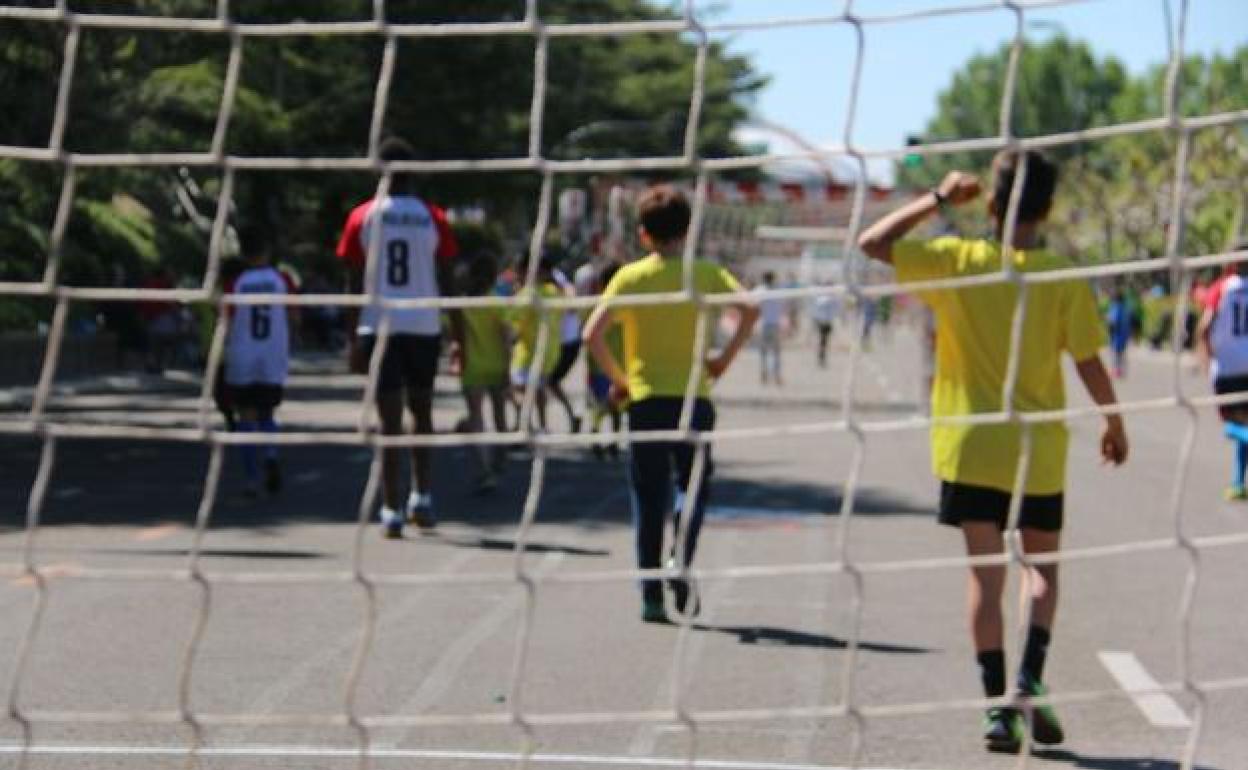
1235,493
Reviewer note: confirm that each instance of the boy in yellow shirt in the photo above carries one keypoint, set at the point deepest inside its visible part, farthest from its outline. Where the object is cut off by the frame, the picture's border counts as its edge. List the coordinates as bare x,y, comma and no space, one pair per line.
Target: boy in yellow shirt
976,463
653,376
482,336
527,323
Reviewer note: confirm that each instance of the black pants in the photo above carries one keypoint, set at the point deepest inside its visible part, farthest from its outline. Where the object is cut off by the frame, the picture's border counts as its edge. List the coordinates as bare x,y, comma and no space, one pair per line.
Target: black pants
657,470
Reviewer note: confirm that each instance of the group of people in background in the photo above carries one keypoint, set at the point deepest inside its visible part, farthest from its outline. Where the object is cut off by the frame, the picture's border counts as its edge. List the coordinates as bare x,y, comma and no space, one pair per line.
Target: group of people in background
513,360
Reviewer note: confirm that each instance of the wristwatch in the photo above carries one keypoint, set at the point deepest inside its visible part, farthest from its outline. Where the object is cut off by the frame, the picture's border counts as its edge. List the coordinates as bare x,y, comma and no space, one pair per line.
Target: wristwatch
941,201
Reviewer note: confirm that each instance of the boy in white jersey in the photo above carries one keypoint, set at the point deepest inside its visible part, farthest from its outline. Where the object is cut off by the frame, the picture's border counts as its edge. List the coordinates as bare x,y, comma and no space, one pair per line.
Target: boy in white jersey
414,249
1223,340
257,356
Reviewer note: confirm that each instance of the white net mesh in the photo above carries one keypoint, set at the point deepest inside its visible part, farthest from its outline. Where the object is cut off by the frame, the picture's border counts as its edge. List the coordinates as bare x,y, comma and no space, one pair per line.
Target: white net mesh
50,431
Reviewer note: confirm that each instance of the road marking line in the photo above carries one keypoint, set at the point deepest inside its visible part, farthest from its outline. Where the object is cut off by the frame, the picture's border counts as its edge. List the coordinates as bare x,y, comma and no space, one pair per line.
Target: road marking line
445,671
447,754
51,571
312,666
644,740
157,532
1158,707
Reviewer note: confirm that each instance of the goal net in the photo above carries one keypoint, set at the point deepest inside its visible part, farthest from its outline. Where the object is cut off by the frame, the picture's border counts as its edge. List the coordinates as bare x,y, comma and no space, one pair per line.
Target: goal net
716,223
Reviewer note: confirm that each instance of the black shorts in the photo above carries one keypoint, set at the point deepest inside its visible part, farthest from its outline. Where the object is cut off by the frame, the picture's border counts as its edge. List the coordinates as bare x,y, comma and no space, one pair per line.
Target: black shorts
255,395
411,361
1233,384
964,502
567,358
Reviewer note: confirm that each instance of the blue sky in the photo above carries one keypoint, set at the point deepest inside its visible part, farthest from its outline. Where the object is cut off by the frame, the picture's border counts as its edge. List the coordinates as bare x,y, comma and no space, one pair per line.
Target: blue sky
908,63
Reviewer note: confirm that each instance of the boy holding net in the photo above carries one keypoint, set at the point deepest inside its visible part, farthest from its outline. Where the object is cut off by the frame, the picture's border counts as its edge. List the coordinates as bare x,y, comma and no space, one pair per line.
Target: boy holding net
977,463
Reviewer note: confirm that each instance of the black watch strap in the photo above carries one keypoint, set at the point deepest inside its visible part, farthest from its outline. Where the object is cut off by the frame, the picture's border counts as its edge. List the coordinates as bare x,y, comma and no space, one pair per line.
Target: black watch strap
941,200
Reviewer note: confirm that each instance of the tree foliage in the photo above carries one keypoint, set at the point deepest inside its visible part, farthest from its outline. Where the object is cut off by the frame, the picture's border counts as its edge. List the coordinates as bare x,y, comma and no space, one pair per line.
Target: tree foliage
1114,202
312,96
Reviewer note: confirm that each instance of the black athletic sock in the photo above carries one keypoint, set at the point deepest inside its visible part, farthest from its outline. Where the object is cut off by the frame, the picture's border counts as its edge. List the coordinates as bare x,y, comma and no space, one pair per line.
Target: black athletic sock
992,672
1035,651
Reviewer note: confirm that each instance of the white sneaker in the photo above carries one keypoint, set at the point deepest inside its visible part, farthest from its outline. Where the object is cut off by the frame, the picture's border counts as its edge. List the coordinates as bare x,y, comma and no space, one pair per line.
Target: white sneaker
392,523
420,511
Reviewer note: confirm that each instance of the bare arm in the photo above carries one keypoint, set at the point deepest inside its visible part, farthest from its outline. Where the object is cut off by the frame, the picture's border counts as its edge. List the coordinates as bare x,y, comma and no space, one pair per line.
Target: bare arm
1204,347
877,240
747,315
595,338
351,315
1101,389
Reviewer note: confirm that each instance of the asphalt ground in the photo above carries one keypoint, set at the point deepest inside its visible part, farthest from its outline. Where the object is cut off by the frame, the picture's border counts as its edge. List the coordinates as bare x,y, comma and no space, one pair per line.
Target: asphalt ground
763,641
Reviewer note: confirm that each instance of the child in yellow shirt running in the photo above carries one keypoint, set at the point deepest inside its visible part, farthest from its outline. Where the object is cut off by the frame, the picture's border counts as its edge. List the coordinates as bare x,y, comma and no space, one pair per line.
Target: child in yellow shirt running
976,463
482,339
652,379
527,323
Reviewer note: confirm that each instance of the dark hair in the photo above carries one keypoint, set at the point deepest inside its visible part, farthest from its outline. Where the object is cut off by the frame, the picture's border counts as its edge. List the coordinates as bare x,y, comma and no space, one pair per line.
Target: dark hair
394,148
608,272
769,277
1038,185
546,261
252,240
664,213
479,273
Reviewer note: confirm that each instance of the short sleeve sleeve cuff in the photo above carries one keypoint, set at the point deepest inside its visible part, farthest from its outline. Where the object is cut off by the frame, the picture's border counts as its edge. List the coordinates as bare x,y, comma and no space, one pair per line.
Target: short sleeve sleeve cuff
1085,331
916,260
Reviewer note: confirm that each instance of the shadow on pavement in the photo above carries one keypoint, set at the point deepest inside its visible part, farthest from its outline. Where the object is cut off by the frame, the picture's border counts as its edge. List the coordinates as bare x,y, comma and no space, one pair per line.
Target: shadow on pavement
785,637
1110,763
504,544
110,482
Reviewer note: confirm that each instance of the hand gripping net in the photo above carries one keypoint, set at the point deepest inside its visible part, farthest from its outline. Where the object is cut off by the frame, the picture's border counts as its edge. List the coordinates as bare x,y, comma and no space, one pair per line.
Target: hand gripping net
37,422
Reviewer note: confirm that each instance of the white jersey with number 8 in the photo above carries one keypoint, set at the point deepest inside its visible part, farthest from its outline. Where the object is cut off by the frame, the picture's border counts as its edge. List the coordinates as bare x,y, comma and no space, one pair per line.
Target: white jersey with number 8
1229,334
413,237
258,346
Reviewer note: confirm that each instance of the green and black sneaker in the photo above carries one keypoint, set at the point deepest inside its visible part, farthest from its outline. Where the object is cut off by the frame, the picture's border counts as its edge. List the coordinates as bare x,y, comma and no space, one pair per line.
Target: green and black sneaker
1045,727
1004,730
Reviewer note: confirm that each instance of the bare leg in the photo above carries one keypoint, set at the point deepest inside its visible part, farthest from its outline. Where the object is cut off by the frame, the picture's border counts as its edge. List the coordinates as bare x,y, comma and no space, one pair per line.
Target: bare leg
476,424
986,585
556,390
420,402
390,413
1041,587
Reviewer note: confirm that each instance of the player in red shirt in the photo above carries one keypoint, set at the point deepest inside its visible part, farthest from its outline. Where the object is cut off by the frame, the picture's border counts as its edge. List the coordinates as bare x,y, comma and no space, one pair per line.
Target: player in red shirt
414,249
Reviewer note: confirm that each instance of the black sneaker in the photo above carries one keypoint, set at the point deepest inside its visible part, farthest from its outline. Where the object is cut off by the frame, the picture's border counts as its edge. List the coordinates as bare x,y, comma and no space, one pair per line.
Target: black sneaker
1004,730
1045,727
272,476
652,611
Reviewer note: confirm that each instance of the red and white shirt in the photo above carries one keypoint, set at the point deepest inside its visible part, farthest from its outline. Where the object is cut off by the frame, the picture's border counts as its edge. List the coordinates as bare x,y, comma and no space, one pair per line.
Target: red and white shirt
258,345
1228,299
414,237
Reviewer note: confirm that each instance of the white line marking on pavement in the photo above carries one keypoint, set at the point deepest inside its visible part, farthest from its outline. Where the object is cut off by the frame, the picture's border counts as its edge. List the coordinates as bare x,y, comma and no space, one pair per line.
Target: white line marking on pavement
1158,707
376,753
647,736
313,667
445,672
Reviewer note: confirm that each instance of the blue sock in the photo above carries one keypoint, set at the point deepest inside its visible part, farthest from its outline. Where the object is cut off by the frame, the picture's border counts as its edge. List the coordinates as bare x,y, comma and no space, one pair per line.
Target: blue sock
269,425
249,452
1241,459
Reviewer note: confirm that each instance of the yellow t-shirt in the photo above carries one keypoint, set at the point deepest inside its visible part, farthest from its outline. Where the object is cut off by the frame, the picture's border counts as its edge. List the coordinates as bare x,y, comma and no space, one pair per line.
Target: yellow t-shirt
972,351
525,321
658,339
485,347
